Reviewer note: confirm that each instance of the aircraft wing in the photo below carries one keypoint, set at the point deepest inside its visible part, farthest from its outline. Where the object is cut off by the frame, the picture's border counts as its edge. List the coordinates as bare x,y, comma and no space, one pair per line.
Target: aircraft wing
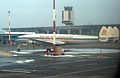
35,39
38,41
50,41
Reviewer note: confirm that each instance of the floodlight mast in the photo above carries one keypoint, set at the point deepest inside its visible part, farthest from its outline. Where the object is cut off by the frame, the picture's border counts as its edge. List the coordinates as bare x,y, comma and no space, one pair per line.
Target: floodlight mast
9,27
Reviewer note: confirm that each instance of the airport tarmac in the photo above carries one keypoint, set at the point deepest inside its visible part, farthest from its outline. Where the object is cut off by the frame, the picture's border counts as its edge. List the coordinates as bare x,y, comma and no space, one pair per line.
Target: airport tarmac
95,45
79,63
75,45
98,60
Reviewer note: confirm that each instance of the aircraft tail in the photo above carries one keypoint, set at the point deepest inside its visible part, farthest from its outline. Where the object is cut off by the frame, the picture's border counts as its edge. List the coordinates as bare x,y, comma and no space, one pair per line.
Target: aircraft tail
109,34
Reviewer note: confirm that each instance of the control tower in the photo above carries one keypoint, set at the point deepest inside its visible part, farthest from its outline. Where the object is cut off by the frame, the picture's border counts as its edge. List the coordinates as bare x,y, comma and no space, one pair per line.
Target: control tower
68,15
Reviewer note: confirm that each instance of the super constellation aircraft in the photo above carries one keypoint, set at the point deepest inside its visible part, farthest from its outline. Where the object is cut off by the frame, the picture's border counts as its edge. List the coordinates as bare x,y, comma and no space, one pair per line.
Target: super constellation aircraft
60,39
105,35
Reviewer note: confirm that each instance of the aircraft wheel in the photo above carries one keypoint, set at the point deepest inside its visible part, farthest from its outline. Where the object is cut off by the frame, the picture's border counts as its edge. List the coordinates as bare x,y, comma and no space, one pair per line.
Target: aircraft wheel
18,50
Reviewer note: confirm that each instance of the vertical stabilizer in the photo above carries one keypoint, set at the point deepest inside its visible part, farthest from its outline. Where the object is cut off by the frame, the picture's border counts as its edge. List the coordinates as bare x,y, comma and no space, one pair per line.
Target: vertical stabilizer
116,33
110,32
103,34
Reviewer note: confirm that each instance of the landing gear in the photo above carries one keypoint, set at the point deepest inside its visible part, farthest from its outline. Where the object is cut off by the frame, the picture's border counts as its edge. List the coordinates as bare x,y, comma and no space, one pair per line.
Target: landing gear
48,51
58,51
18,48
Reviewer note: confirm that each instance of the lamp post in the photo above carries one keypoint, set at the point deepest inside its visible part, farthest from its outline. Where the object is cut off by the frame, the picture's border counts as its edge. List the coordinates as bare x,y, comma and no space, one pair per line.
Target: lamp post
9,27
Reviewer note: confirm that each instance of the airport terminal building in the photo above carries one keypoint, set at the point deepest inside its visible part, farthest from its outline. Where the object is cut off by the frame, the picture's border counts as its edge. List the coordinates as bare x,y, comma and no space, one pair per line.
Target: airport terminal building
71,29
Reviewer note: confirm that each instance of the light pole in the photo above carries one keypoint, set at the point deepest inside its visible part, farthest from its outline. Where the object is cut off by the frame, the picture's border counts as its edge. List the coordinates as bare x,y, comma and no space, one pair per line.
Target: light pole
9,27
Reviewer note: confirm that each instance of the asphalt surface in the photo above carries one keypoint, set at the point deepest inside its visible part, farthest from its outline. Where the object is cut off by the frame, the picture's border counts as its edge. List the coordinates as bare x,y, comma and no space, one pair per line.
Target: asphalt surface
97,44
76,66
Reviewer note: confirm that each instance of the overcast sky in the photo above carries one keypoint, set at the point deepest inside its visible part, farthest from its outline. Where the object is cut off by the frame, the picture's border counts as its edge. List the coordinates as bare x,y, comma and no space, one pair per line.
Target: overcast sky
33,13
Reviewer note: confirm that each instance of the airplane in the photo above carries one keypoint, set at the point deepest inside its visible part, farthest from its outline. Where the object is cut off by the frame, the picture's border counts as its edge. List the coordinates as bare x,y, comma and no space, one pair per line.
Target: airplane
105,35
63,39
60,39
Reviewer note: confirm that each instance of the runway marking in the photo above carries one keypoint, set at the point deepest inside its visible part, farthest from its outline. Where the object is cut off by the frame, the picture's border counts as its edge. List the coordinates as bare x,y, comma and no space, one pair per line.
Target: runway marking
79,71
16,71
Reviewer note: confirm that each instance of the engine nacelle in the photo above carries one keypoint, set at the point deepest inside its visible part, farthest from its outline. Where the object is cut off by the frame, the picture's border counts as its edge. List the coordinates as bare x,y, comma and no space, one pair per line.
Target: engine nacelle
103,34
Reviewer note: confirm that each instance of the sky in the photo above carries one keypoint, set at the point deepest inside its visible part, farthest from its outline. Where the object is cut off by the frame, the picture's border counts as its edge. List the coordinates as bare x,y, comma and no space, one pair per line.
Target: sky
35,13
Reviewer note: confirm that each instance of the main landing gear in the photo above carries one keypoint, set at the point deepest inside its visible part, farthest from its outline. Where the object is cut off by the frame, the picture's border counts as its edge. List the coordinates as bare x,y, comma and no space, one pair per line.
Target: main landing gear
55,52
18,48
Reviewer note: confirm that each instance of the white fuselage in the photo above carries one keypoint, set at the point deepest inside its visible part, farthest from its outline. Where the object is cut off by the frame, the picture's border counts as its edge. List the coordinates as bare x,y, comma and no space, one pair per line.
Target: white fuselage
59,37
